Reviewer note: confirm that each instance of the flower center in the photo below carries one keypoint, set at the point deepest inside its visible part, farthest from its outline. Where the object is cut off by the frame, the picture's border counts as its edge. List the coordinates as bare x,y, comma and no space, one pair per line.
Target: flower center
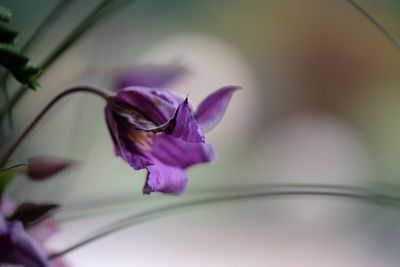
141,138
134,116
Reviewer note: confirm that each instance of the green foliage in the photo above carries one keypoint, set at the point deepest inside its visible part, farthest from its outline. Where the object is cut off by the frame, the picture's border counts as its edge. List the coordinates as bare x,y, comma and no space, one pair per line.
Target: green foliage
5,178
19,66
7,36
5,14
15,62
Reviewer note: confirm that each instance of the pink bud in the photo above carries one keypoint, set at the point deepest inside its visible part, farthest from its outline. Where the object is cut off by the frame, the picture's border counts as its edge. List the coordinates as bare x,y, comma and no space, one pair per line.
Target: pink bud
42,168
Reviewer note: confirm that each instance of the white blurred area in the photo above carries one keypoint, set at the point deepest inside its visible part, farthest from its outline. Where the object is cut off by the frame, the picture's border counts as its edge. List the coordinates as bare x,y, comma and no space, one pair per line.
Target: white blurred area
313,148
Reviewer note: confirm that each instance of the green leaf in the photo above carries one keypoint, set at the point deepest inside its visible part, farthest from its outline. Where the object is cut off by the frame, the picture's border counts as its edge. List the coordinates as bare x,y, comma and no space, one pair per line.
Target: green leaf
5,14
20,67
11,57
28,75
7,36
5,178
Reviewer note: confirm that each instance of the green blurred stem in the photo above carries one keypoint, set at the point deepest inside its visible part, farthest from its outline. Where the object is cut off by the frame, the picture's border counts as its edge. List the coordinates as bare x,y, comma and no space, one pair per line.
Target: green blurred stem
106,7
18,165
78,89
46,24
7,99
391,38
167,210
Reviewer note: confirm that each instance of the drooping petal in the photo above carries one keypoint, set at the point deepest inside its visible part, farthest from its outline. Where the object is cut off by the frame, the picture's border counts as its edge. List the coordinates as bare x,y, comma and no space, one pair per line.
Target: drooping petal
17,247
181,125
164,178
212,108
158,105
149,76
113,129
178,153
184,125
124,147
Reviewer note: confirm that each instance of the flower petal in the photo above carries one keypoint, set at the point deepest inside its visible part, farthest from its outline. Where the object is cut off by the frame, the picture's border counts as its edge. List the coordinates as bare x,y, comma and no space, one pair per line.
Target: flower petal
7,207
178,153
158,105
149,76
212,108
124,147
184,126
3,225
17,247
165,179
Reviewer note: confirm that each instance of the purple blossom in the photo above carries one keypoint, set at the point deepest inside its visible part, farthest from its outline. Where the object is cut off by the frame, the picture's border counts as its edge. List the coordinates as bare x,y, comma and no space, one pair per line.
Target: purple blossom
149,76
157,130
18,247
38,233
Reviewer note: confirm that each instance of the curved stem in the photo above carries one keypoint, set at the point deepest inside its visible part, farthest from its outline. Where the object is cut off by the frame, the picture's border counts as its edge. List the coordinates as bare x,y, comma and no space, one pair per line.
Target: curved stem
78,89
167,209
7,99
99,206
46,23
376,23
18,165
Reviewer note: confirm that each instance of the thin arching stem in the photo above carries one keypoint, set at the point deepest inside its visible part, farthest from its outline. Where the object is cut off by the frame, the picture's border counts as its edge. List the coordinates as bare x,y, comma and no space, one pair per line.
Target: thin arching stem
18,165
375,22
166,210
78,89
100,206
46,23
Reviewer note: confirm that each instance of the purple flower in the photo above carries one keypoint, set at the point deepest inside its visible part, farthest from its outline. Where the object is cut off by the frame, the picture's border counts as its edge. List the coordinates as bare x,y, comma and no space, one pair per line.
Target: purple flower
149,76
39,232
18,247
157,130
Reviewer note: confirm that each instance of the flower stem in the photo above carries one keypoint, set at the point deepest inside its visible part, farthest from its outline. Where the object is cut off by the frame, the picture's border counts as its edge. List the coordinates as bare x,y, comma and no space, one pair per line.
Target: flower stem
78,89
21,164
375,22
46,23
166,210
99,206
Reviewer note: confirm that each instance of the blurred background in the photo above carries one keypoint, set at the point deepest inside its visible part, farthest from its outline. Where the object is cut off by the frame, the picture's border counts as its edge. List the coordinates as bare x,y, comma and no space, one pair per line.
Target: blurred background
319,105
